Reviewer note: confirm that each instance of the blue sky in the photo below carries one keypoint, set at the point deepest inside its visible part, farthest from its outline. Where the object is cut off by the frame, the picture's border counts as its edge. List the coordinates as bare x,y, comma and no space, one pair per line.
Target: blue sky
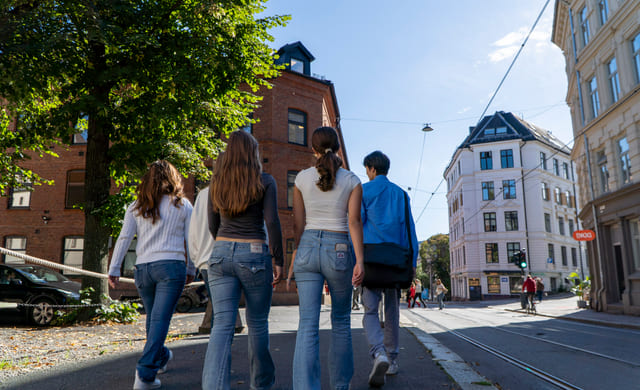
396,66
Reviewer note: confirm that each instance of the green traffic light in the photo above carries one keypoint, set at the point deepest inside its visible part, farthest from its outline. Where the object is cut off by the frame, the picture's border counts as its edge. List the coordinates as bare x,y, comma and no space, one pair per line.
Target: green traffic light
523,264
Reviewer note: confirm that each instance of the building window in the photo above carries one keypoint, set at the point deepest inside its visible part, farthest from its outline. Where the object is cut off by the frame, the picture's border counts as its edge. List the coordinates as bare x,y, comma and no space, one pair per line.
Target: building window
561,226
634,230
558,198
635,47
574,257
565,170
486,162
625,163
543,161
490,222
20,196
511,220
563,255
569,199
547,222
584,26
297,127
550,254
603,171
491,252
545,191
297,65
75,188
487,190
556,167
508,189
512,249
603,6
571,227
493,284
594,97
72,256
614,80
16,244
291,183
506,158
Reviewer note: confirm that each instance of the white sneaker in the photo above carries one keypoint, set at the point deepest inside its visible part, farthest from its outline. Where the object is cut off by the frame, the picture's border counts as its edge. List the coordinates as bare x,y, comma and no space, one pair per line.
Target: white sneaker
163,369
393,368
139,384
380,366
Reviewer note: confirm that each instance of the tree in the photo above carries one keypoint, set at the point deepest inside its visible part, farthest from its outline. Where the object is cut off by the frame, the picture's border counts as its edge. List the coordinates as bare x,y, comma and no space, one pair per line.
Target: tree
146,80
435,251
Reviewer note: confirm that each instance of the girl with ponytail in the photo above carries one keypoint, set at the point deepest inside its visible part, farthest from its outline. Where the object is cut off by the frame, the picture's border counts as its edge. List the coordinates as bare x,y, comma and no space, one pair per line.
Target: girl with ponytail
328,236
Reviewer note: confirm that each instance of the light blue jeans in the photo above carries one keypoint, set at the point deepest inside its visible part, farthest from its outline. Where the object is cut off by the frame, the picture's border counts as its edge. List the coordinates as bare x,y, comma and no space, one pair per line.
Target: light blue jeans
159,284
321,256
236,267
380,341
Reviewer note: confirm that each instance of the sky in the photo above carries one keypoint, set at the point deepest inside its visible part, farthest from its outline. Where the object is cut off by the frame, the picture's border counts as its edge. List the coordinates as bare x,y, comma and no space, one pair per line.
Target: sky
398,65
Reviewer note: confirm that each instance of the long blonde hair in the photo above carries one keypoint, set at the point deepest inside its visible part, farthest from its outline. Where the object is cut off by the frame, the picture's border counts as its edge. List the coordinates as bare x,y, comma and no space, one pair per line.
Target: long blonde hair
235,183
162,178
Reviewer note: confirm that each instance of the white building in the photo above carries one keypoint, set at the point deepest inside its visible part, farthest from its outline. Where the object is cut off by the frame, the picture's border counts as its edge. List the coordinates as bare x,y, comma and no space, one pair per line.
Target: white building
510,187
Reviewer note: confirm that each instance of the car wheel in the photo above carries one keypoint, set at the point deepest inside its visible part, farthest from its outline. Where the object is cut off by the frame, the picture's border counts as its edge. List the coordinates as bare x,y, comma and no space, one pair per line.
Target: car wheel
184,304
41,314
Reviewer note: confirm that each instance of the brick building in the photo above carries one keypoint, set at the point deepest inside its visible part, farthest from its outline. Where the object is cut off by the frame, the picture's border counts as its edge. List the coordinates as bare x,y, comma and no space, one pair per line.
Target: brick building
43,223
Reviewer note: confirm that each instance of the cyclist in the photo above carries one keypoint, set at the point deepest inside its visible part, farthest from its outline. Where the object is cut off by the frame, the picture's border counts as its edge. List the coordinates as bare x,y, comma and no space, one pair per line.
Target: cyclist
529,288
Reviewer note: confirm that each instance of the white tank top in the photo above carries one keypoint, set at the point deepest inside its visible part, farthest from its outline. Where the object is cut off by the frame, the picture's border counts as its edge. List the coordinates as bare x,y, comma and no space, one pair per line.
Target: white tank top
326,210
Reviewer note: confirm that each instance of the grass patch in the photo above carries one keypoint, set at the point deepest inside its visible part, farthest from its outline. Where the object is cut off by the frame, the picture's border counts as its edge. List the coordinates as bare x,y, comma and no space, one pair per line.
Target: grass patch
482,383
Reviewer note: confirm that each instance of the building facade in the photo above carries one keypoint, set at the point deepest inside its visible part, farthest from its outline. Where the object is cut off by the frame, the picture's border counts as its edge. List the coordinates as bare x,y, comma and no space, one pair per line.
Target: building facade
42,221
600,40
510,189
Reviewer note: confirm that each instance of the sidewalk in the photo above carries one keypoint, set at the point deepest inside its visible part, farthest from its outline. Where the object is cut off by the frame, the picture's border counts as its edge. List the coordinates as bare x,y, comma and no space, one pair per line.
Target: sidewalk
116,371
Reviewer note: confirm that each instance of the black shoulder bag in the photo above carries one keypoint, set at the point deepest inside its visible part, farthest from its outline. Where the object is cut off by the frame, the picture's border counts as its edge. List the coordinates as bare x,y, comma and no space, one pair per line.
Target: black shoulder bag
389,265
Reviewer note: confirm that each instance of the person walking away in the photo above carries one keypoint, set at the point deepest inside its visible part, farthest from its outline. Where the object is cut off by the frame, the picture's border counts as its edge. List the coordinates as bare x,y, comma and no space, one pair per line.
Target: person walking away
383,218
200,248
242,201
539,288
160,219
326,211
441,290
418,297
357,291
529,288
412,295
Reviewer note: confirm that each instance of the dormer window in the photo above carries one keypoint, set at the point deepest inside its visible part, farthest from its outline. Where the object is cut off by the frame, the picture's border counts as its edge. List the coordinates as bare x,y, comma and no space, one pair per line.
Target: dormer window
297,65
501,130
491,131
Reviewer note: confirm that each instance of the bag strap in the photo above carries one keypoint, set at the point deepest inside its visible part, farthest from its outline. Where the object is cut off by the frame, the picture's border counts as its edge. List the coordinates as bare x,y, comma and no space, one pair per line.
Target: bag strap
406,222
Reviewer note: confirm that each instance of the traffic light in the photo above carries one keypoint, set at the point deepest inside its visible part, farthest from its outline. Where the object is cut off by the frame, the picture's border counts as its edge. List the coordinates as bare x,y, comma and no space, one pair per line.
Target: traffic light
522,261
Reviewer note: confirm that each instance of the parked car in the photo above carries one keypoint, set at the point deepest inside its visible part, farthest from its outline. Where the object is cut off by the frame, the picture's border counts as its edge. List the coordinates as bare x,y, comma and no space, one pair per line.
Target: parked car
39,286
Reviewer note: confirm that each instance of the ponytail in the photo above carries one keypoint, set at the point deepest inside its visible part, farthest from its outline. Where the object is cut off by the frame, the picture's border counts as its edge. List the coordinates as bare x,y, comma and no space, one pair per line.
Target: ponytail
325,142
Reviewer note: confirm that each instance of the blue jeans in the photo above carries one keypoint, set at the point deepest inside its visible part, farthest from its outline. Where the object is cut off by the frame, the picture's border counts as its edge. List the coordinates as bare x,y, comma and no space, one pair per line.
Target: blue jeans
441,300
235,267
159,284
321,256
380,341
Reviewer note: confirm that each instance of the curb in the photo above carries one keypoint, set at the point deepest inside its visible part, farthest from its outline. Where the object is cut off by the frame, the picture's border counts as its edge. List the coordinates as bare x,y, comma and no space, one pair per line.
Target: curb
583,320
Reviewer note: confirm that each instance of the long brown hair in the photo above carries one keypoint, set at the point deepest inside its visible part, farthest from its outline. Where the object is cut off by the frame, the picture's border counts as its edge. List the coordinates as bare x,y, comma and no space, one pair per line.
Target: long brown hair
235,183
325,142
162,178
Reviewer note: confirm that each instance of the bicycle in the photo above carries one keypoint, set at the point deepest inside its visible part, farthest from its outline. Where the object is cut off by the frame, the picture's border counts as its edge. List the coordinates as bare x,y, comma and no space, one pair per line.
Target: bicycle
531,306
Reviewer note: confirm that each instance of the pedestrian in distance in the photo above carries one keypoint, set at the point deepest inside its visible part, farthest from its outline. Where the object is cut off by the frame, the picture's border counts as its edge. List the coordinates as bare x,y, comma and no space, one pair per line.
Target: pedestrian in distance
418,295
357,291
385,219
242,201
160,219
441,291
539,288
201,245
326,211
529,288
412,295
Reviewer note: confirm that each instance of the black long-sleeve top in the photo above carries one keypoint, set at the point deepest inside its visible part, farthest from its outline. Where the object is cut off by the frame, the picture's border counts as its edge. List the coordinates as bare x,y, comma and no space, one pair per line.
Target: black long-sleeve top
250,223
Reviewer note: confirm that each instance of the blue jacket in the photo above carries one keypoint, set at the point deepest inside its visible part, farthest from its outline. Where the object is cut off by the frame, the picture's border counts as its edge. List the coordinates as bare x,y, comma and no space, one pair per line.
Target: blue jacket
383,215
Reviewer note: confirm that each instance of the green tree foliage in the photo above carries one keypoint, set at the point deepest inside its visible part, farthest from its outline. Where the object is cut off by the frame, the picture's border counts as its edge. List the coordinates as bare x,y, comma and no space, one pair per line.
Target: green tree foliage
435,250
146,79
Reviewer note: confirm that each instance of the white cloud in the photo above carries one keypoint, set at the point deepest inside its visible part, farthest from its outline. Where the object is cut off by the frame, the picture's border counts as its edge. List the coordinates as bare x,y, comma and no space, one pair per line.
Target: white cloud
509,44
462,111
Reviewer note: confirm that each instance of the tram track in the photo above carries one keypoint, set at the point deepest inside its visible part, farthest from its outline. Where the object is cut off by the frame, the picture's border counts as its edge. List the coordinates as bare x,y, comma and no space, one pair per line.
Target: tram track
514,361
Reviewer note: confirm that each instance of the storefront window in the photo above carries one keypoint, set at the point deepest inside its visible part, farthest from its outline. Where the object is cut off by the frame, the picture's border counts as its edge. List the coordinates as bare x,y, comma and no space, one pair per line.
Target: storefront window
493,284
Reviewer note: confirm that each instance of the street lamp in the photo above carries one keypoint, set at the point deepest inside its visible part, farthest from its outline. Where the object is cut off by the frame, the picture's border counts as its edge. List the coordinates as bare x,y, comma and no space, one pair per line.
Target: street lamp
427,127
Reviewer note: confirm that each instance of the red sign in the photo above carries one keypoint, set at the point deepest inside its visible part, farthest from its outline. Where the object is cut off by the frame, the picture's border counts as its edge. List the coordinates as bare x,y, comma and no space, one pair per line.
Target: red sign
584,235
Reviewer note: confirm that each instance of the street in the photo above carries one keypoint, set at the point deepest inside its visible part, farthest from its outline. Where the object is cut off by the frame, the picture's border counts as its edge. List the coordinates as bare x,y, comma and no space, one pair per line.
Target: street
514,350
